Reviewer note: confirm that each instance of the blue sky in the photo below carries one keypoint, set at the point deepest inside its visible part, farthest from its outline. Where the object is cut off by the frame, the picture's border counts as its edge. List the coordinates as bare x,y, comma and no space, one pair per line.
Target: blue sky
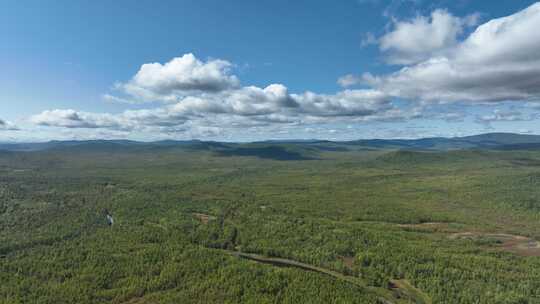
252,70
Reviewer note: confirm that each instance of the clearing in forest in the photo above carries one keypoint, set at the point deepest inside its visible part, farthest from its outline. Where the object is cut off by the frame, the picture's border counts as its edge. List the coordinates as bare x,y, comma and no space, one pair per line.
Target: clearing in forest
518,244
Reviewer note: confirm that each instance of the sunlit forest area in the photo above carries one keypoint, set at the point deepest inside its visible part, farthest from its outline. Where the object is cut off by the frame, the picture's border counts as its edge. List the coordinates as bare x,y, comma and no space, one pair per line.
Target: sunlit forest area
283,223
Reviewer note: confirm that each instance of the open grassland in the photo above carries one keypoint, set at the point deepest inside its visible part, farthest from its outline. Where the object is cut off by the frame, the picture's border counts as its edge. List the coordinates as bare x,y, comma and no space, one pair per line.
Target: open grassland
405,227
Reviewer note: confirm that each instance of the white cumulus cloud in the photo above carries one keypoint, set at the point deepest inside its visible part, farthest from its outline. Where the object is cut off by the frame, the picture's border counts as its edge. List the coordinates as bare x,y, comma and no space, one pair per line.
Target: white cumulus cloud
499,61
415,40
180,76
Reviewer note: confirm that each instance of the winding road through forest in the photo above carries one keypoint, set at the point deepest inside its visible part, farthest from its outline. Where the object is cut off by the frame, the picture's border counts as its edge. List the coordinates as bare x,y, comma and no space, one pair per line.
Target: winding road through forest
386,296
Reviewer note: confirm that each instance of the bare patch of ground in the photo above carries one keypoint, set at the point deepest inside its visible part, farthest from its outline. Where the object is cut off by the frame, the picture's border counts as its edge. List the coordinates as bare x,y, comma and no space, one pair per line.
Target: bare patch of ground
204,218
347,261
518,244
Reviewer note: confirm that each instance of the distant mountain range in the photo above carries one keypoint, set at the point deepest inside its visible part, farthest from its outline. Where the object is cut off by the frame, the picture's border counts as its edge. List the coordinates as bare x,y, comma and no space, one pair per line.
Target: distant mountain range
495,141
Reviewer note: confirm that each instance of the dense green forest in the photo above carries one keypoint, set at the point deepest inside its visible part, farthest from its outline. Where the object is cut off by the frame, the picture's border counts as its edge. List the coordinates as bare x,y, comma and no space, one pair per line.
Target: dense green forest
269,224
